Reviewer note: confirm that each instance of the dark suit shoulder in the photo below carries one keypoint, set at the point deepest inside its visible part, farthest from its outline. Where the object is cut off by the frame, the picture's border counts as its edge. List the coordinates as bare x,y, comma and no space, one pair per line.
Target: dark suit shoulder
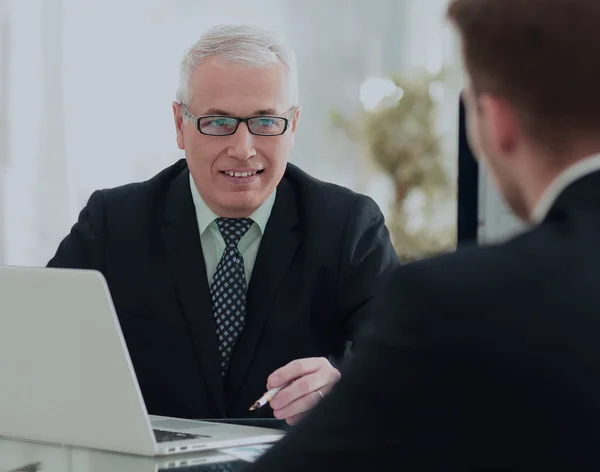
330,201
471,296
142,190
118,213
462,280
134,205
493,268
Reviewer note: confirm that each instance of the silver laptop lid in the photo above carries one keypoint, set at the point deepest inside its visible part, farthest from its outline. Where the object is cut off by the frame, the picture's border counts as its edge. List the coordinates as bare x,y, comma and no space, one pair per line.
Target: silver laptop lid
65,372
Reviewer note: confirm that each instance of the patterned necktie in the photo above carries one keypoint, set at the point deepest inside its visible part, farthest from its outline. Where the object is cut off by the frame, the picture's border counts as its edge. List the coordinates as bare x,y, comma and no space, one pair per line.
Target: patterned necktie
228,289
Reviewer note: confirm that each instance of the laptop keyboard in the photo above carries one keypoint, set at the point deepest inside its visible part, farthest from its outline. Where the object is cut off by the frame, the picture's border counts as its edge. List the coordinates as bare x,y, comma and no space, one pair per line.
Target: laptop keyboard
168,436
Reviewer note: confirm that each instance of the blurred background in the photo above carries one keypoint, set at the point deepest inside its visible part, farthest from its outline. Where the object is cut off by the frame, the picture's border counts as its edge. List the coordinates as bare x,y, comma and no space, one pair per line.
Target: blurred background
86,88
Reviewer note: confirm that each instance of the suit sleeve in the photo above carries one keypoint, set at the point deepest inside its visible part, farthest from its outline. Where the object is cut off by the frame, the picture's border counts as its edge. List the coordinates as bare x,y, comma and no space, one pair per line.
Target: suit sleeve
386,411
366,262
84,246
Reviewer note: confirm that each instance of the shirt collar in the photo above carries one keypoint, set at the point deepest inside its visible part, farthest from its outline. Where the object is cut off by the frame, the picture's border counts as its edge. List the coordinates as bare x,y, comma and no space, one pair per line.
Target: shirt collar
561,182
206,216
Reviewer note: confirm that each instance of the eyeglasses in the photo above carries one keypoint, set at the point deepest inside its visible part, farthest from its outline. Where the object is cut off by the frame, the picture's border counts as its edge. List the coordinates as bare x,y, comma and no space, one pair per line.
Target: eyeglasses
219,125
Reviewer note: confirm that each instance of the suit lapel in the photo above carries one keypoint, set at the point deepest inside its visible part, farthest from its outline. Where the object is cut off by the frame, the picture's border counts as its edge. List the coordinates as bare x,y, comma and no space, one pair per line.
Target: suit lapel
184,250
277,249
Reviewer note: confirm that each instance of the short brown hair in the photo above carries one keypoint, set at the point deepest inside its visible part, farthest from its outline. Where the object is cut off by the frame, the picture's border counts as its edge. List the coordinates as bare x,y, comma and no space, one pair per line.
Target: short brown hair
543,56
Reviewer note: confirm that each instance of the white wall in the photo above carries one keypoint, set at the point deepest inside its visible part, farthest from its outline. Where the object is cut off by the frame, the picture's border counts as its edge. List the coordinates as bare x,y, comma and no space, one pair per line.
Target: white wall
4,35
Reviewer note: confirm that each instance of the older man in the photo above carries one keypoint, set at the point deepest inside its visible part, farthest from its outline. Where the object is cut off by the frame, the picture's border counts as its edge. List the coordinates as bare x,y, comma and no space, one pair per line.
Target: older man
233,271
488,359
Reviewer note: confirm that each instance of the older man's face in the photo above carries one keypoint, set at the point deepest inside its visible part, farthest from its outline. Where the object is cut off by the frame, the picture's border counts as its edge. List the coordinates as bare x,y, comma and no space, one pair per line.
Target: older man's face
222,88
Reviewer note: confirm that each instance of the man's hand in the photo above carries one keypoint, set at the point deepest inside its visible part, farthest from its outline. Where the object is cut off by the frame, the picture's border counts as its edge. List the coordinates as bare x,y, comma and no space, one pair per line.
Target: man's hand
311,379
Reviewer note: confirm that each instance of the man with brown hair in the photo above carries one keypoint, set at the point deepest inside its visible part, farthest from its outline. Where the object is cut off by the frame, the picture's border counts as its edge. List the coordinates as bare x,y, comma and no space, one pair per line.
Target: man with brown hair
489,358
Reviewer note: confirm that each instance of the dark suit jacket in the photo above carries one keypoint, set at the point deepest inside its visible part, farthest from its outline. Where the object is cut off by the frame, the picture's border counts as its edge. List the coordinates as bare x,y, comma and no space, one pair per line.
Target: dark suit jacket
485,359
324,253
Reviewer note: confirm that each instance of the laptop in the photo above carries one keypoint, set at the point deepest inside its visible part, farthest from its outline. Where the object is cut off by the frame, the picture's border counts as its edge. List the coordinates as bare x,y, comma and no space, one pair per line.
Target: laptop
67,377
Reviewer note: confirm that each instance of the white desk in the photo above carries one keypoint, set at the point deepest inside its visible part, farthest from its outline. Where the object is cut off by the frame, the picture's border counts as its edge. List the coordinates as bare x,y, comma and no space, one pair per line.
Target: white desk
14,455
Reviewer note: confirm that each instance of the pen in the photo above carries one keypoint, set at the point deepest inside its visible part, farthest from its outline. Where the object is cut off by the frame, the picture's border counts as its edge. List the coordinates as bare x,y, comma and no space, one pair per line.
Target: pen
267,397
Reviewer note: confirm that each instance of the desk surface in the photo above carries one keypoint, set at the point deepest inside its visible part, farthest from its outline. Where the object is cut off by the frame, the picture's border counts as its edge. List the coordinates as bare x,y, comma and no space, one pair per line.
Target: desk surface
17,456
32,457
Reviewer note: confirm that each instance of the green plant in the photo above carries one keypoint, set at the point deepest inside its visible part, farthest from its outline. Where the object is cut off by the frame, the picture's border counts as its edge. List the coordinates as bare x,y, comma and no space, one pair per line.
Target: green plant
400,134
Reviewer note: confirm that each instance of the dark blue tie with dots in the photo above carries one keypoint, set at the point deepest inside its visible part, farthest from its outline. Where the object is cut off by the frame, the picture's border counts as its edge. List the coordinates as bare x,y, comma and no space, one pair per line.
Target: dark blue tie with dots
228,289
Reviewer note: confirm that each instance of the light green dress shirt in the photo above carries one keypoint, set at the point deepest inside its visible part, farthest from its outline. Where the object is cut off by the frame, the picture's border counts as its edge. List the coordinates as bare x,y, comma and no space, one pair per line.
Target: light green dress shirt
213,244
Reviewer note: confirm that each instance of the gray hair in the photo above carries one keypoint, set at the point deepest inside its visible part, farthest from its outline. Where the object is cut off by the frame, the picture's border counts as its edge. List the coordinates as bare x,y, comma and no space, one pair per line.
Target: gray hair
239,44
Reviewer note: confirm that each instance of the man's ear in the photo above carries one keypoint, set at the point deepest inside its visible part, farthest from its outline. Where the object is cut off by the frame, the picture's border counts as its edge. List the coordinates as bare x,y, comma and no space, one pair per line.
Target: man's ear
295,119
501,122
178,118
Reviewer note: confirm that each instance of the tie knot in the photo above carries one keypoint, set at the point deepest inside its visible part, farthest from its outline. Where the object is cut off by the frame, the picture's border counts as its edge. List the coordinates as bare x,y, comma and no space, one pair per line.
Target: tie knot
233,229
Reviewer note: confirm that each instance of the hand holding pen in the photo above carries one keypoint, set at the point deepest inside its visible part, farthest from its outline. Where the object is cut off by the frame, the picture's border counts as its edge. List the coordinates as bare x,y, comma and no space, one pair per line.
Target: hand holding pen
297,387
267,397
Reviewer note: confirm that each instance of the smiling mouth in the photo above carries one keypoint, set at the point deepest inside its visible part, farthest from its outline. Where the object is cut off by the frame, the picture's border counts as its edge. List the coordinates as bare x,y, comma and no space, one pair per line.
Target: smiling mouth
242,174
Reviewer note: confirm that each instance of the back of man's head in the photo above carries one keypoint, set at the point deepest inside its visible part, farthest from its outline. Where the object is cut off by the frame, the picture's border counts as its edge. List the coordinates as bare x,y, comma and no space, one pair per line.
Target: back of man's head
541,56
